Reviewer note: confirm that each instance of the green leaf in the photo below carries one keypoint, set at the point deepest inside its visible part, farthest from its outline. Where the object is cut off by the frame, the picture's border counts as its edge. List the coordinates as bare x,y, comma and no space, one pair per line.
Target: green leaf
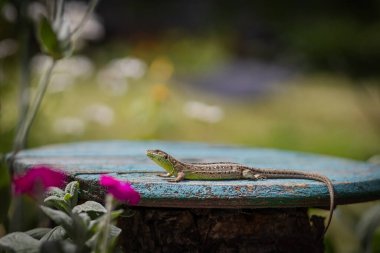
94,224
116,213
58,247
92,208
112,235
93,240
57,233
80,232
84,217
19,242
59,217
50,42
67,198
38,233
115,231
48,39
73,189
57,202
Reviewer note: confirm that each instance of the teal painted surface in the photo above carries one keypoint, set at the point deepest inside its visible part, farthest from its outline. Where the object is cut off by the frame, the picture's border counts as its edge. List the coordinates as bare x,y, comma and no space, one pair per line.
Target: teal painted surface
354,181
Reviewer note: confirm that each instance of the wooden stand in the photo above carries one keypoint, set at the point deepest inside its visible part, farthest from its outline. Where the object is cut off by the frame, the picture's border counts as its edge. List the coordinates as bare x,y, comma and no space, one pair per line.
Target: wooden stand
213,216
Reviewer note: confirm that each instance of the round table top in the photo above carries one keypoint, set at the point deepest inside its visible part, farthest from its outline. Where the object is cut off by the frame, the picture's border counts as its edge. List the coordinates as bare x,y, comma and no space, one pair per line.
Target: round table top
354,181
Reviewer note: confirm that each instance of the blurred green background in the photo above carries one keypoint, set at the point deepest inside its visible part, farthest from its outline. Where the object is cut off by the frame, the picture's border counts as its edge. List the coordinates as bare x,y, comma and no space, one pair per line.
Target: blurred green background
290,75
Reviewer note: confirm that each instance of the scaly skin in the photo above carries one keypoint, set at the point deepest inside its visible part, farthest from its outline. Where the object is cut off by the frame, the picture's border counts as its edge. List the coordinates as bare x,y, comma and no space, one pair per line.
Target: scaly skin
230,171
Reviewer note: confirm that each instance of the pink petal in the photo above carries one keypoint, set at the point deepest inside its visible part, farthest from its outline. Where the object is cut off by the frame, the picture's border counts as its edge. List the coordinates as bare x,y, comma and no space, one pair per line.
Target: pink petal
38,178
23,185
121,190
106,181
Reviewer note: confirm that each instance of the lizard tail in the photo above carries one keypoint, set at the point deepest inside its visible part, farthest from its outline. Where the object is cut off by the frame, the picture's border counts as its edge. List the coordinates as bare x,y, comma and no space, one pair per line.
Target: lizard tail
310,176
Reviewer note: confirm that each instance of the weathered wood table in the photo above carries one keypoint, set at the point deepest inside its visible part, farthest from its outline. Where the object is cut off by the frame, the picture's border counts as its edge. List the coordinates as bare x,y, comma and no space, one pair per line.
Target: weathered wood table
209,216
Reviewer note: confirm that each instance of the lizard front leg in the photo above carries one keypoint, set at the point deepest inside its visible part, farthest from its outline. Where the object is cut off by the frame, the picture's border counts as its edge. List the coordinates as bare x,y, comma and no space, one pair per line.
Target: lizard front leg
180,177
165,175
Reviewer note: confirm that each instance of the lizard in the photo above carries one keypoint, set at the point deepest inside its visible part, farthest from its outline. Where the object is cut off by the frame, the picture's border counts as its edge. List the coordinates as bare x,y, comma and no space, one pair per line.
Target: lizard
231,171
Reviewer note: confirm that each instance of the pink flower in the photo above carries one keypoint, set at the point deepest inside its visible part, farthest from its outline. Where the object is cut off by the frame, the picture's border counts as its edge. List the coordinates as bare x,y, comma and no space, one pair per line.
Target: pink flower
121,190
37,179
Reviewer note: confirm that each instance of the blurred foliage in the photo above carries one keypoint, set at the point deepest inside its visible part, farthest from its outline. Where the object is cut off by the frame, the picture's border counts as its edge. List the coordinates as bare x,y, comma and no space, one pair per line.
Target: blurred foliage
345,235
79,228
315,113
368,224
5,190
340,36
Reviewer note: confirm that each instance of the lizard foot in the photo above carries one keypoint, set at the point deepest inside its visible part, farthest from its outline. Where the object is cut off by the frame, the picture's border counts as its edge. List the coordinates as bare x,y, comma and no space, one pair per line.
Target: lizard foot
164,175
173,180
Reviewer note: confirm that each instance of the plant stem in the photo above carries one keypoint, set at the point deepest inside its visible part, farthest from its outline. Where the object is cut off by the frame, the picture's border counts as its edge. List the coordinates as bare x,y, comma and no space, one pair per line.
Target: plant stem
104,240
58,18
31,114
24,63
76,31
56,9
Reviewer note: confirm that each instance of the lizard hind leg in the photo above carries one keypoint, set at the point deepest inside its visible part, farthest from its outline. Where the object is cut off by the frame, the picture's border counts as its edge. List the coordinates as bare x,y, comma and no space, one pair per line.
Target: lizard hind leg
250,174
180,177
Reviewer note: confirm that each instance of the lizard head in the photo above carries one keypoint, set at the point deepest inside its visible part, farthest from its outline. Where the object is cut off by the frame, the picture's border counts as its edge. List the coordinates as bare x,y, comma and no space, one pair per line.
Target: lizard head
162,158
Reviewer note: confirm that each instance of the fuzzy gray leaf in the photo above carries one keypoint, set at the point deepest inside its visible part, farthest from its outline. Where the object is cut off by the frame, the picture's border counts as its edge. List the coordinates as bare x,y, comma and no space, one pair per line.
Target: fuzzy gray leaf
38,233
55,191
73,189
92,208
57,233
20,243
59,217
